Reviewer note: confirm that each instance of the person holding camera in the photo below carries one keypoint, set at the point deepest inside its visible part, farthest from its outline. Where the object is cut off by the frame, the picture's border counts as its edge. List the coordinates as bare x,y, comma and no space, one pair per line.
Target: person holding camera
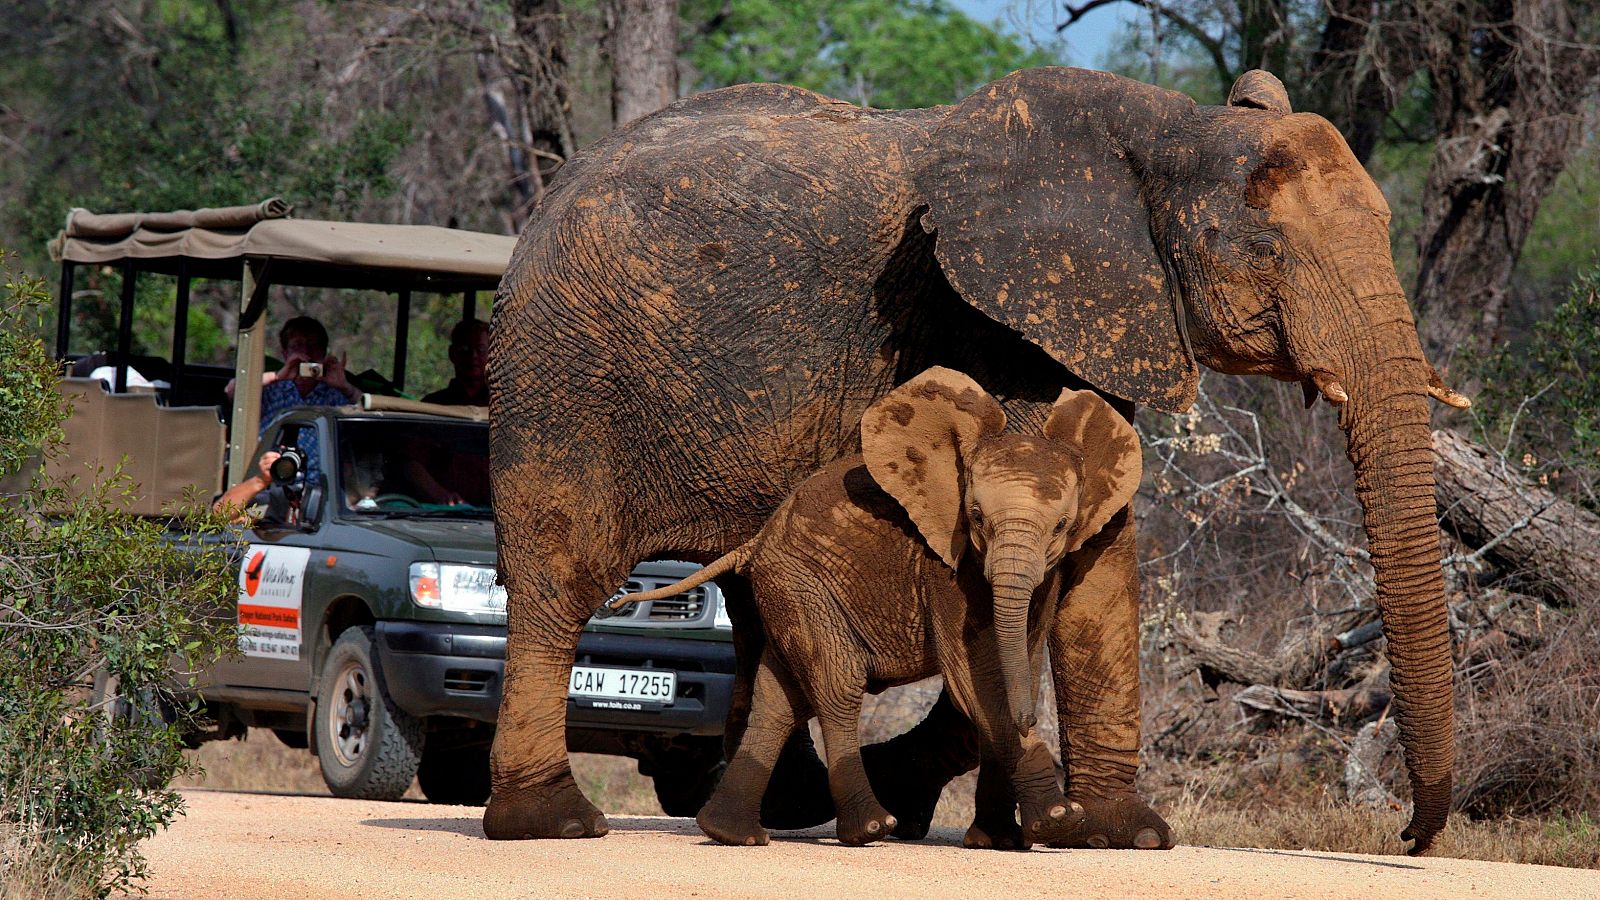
311,376
236,502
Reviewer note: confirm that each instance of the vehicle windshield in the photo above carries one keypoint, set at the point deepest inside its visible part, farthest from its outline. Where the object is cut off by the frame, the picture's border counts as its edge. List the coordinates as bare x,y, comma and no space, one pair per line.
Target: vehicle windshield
399,467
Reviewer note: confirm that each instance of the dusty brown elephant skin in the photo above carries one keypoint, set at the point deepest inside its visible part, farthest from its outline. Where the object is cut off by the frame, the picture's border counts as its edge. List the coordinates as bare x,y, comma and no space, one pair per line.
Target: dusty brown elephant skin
709,298
935,552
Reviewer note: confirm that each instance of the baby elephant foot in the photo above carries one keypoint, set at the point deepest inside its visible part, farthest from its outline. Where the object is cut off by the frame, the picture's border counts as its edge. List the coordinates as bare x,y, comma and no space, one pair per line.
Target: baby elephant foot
992,831
1120,822
865,823
1052,819
731,824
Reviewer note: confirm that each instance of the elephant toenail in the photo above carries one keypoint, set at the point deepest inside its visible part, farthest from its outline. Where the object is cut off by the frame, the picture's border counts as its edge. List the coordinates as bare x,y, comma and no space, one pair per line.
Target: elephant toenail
572,829
1147,839
1077,808
873,828
890,822
1057,812
1098,841
750,842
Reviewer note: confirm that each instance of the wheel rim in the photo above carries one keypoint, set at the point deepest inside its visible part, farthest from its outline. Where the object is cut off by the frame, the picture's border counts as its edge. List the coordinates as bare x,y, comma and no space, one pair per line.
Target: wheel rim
349,719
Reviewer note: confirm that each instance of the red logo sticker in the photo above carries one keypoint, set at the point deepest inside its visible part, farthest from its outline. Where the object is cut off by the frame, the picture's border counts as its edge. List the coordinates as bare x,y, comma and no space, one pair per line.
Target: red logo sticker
252,573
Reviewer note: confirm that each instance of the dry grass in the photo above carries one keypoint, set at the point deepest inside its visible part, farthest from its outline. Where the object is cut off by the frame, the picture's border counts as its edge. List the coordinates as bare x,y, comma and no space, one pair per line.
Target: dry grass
30,870
1341,828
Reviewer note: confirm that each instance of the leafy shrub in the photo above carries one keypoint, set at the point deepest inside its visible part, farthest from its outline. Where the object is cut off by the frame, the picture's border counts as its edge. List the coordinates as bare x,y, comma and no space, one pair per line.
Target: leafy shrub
1542,394
96,606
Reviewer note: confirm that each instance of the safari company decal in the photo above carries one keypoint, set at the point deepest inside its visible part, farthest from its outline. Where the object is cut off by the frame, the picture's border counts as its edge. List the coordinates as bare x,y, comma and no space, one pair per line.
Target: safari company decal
271,582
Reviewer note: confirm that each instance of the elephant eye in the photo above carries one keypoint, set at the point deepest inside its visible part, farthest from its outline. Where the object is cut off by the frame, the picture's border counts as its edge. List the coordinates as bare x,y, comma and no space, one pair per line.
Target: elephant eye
1061,525
976,516
1265,251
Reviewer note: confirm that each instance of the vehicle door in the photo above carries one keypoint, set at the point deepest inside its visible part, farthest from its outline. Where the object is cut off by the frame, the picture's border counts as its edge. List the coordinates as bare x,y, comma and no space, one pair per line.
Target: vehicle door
278,602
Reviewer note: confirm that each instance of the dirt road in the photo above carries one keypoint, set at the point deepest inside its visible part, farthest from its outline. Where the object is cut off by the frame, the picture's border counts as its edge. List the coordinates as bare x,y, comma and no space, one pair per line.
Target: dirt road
283,847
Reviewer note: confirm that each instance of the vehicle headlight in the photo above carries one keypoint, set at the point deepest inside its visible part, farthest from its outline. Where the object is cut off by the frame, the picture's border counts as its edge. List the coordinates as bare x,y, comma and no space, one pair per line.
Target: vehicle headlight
469,589
721,621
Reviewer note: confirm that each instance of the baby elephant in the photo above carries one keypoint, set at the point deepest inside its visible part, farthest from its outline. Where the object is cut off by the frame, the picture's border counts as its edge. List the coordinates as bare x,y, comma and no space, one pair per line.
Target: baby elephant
929,554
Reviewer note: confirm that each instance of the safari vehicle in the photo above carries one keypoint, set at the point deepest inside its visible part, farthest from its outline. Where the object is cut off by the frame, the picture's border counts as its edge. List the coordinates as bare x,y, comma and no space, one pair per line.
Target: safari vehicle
372,629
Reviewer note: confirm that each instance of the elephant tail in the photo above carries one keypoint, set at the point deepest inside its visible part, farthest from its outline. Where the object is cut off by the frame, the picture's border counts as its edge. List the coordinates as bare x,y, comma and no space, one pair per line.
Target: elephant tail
732,561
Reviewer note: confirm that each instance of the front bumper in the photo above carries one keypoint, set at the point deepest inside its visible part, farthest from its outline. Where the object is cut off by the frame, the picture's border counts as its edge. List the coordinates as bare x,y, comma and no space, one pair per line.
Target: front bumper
436,669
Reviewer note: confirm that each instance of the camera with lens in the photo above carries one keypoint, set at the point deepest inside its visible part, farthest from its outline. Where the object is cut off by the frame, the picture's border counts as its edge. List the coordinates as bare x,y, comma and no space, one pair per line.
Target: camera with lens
287,467
310,370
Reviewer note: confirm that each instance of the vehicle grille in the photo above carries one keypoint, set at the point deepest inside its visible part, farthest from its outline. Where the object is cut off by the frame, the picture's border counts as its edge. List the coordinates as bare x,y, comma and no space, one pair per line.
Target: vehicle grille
693,608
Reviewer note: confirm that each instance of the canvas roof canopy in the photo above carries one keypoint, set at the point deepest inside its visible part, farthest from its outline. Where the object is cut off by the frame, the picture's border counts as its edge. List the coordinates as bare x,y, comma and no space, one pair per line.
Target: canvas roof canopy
214,243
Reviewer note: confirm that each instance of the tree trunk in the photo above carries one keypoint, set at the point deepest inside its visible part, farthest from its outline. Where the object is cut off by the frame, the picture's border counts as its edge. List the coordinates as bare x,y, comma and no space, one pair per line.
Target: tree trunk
1508,78
1546,540
1364,59
642,42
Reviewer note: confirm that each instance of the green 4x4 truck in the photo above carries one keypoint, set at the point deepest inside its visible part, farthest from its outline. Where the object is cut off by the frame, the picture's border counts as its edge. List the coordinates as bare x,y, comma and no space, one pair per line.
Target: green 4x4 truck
372,629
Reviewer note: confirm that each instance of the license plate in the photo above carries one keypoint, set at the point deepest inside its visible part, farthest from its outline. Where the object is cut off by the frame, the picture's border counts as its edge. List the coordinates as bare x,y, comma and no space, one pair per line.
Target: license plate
638,685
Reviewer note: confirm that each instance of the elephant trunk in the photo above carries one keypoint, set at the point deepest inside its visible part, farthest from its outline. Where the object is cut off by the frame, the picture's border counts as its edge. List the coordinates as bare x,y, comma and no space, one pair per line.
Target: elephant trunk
1015,567
1386,424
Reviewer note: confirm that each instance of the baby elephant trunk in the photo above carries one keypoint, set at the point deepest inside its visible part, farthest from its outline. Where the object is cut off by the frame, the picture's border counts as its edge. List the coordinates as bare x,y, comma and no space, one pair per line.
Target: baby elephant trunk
1015,573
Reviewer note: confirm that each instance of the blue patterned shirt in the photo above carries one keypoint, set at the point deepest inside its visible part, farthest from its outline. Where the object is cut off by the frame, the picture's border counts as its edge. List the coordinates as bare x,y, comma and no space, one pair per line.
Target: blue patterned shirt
281,396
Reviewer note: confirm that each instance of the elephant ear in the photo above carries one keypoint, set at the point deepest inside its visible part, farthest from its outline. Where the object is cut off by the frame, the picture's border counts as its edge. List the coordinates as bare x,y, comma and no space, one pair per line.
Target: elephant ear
914,441
1260,89
1032,186
1112,461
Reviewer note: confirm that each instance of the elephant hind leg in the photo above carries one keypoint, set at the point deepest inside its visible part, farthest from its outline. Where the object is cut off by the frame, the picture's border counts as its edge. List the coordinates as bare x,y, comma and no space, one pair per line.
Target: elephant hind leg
834,681
533,794
733,814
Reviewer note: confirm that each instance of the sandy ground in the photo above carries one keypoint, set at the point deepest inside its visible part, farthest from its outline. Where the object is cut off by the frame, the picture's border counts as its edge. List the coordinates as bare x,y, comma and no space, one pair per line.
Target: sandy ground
283,847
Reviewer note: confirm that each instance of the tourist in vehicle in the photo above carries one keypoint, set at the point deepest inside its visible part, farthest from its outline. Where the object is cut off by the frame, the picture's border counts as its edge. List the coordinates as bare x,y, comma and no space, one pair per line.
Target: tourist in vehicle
303,340
469,353
239,502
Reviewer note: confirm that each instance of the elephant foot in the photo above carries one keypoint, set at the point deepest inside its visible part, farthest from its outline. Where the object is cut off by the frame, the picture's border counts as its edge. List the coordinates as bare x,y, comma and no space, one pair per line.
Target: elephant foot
1051,819
992,831
797,795
555,809
731,823
866,823
908,791
1120,822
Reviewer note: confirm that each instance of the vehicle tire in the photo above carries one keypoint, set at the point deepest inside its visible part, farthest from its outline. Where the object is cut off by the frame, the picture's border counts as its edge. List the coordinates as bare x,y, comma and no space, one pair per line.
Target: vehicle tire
459,776
683,786
368,748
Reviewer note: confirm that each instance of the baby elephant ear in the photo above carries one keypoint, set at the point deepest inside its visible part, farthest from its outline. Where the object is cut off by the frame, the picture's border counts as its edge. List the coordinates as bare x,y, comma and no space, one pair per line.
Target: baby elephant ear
915,440
1112,461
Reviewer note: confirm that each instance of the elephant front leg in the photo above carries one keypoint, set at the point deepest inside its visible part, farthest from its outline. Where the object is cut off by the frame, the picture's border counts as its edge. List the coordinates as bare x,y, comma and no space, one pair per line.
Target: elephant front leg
909,772
1094,651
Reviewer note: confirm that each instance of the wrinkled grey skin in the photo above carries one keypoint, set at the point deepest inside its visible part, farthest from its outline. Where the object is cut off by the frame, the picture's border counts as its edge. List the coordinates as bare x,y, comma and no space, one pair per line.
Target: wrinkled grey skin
710,297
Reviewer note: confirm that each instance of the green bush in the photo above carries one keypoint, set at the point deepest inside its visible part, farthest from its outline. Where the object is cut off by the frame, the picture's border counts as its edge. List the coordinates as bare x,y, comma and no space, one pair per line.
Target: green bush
1541,394
101,616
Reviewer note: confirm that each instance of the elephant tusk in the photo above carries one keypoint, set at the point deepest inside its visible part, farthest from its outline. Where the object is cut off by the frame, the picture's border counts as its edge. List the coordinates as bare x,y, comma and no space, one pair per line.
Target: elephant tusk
1328,384
1438,391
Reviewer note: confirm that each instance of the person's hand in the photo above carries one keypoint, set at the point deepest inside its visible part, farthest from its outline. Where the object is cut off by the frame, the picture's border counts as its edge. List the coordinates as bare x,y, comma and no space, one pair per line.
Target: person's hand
333,373
264,465
291,366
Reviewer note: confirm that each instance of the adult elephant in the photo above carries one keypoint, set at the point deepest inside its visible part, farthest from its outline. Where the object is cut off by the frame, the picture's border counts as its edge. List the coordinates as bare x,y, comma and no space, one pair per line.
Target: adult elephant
710,297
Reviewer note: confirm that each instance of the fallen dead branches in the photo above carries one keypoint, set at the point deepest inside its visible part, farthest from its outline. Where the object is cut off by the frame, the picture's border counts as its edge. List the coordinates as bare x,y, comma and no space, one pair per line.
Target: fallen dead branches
1551,545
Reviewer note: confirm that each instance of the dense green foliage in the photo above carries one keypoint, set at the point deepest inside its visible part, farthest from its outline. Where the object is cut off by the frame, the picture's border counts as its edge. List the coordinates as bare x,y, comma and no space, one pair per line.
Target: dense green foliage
889,54
95,605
